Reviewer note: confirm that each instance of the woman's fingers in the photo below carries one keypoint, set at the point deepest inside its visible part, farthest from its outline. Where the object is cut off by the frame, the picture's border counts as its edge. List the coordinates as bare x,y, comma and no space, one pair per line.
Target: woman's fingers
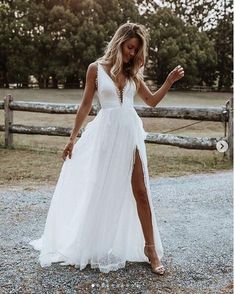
179,72
67,152
180,69
63,155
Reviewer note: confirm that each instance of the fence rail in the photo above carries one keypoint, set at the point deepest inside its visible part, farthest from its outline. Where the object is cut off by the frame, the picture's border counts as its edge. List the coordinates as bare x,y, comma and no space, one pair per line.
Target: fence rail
217,114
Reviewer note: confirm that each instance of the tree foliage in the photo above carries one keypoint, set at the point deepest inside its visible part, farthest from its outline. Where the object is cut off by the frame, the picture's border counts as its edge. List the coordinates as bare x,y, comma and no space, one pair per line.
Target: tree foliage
214,22
59,38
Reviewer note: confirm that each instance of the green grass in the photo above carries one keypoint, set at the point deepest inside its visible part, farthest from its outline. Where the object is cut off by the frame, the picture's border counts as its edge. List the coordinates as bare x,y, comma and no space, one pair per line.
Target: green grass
36,159
42,165
172,98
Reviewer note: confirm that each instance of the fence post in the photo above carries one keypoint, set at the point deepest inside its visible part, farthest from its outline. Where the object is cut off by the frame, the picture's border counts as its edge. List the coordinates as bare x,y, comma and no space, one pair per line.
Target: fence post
230,129
8,113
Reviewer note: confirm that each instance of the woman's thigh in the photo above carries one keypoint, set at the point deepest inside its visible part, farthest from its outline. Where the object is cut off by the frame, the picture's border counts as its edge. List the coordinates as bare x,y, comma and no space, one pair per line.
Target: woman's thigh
137,180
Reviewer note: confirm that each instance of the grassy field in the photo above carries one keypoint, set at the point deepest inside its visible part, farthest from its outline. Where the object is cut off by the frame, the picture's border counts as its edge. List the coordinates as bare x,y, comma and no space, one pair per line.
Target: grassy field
172,98
37,159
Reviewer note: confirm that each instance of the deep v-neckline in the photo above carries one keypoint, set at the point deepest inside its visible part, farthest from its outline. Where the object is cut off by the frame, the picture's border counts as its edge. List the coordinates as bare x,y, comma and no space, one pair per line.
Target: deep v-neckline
120,91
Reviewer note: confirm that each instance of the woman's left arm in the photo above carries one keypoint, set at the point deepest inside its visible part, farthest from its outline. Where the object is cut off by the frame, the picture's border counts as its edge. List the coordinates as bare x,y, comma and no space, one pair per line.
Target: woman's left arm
152,99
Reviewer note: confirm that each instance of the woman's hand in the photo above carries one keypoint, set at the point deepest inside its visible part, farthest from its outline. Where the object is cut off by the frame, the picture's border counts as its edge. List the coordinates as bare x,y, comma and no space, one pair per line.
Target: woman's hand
176,74
68,150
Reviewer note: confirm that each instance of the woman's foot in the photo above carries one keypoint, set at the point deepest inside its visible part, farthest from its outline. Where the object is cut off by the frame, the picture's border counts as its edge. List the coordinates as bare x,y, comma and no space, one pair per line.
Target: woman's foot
150,252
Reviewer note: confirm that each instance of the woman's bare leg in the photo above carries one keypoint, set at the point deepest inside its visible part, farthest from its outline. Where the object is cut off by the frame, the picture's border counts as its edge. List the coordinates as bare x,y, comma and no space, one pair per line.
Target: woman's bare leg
143,208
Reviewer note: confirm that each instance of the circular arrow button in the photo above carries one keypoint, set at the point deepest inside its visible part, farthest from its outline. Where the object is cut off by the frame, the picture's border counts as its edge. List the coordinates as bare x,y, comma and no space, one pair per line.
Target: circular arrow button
222,146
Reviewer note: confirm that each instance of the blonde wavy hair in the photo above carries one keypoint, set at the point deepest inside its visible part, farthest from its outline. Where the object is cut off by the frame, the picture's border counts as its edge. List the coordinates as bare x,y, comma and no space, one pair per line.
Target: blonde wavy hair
113,52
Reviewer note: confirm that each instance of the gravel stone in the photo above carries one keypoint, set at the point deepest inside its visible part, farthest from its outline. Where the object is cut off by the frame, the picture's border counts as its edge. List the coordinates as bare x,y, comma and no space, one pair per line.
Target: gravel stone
195,218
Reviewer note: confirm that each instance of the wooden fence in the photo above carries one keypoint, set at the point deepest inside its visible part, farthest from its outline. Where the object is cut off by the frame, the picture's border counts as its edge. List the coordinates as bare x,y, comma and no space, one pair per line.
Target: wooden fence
217,114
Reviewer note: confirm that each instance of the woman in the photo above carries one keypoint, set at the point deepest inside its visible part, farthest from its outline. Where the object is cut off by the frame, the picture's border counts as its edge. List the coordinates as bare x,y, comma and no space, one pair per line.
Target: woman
101,212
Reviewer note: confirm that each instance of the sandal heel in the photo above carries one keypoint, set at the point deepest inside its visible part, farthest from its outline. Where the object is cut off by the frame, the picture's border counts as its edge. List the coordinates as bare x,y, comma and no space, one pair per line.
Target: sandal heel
157,270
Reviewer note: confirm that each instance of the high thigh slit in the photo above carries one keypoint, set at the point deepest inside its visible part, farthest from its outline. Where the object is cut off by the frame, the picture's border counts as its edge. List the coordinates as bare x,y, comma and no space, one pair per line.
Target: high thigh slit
136,151
92,217
137,191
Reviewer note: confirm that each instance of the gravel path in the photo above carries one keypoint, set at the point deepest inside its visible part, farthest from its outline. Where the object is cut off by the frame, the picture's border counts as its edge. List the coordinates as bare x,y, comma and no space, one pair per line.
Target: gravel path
196,226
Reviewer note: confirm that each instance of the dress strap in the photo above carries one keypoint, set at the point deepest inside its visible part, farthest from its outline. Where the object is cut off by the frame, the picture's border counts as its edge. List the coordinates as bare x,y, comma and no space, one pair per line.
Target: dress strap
97,83
97,75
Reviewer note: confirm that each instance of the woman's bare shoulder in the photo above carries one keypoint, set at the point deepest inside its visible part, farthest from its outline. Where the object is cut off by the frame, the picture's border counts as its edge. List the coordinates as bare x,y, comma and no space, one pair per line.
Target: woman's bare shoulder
92,67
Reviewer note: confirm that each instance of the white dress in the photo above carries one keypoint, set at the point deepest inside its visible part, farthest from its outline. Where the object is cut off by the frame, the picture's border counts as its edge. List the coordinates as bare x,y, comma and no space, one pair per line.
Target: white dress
93,216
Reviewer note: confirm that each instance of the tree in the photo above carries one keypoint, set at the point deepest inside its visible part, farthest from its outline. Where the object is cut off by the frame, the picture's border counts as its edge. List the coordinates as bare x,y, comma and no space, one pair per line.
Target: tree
204,14
222,37
57,38
215,19
15,39
175,43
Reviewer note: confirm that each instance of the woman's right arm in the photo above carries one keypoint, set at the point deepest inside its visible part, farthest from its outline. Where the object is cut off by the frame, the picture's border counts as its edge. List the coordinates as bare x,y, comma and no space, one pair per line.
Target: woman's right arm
84,109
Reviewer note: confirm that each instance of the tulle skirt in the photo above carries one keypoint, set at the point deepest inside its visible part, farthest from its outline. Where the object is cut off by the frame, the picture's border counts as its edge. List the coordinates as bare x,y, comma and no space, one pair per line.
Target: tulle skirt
93,218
